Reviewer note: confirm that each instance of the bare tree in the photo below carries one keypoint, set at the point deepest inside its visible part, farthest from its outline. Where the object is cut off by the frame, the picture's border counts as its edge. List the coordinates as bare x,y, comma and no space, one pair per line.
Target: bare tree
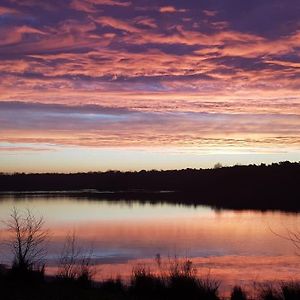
73,263
27,239
68,258
292,236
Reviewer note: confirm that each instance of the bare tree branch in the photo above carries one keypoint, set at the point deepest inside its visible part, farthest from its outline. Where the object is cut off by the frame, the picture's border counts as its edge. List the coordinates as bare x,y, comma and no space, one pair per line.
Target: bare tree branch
27,239
291,236
73,263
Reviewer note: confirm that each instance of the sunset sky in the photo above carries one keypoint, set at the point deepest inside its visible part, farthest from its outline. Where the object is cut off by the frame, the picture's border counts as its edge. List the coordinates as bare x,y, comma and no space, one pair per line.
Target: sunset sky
144,84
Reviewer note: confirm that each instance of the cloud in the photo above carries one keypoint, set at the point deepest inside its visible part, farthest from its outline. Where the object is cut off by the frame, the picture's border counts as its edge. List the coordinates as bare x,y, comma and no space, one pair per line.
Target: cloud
153,67
44,5
98,126
91,6
16,34
210,13
111,2
16,148
67,35
116,24
7,10
170,9
60,108
83,6
147,22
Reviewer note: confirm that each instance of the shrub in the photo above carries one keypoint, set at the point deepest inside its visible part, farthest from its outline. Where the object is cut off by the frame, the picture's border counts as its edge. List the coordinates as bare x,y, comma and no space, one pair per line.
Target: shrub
146,285
269,292
238,294
290,291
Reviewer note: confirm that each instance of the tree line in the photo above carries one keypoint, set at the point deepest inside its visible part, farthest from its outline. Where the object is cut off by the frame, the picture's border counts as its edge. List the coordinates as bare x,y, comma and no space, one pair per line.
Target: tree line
261,187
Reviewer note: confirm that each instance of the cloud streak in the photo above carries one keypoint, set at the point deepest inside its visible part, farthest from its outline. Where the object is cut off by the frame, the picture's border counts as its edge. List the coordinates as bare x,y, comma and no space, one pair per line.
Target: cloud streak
96,126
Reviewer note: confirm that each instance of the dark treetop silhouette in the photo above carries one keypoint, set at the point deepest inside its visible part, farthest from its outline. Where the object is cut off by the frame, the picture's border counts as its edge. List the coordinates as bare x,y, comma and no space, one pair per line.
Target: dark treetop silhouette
262,187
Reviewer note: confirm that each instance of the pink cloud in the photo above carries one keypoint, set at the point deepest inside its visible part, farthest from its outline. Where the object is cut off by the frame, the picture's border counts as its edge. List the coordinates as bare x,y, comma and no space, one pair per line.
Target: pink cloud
15,34
7,10
210,13
87,126
146,62
170,9
148,22
89,6
117,24
84,6
111,2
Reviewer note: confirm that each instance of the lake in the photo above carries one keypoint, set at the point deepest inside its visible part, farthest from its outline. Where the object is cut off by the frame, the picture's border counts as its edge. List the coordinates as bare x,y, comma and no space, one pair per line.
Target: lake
232,246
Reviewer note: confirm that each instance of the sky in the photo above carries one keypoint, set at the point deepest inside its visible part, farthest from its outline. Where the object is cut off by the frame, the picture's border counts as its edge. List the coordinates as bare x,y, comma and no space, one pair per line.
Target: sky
146,84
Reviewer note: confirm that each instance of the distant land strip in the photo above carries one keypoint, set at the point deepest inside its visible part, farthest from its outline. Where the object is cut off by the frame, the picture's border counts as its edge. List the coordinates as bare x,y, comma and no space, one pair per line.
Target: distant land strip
262,187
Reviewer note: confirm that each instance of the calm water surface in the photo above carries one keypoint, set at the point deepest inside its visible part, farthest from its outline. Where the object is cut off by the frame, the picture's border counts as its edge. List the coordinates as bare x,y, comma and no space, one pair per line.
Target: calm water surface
233,246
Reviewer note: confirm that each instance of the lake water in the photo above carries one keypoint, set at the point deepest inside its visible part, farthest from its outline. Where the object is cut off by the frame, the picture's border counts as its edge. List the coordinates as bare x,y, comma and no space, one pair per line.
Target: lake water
232,246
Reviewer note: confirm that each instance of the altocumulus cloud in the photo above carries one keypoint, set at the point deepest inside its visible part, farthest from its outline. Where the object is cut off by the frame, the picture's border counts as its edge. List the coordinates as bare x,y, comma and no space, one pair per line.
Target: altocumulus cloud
120,73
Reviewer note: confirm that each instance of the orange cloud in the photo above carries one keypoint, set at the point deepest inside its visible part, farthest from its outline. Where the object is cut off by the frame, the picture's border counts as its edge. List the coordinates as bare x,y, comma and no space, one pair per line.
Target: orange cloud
15,34
117,24
170,9
90,6
84,6
148,22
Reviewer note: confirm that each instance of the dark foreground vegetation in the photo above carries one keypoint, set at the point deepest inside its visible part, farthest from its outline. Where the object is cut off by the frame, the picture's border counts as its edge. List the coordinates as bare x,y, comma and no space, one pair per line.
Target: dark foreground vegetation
263,187
180,283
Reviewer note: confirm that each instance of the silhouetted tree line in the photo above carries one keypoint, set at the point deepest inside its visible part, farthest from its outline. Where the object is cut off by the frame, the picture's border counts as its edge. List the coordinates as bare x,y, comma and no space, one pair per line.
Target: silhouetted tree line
274,186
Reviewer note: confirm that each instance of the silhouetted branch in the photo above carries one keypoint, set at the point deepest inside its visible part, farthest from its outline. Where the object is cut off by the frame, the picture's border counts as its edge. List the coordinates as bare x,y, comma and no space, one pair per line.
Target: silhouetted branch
73,264
27,240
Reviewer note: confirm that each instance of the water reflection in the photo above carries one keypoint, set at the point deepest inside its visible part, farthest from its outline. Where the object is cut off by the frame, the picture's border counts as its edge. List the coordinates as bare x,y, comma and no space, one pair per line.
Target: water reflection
230,244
